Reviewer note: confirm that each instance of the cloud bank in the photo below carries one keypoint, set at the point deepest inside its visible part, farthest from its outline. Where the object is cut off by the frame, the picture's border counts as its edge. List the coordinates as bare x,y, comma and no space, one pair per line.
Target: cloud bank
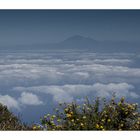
16,103
29,99
66,93
9,101
65,75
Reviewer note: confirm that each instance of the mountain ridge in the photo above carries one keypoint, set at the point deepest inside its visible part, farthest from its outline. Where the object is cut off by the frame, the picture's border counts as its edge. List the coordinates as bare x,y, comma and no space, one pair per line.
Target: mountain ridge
85,43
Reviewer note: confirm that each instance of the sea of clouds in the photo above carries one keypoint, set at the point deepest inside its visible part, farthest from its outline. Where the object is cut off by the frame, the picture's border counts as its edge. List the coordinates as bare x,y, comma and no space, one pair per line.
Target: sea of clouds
39,79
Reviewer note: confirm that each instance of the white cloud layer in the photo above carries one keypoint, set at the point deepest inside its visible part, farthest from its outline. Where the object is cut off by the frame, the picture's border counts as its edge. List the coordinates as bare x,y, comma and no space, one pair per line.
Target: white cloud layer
9,101
66,93
65,76
26,98
81,68
29,99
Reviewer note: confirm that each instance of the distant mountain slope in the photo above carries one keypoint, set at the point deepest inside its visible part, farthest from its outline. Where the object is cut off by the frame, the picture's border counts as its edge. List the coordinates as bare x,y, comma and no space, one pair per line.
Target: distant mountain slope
80,42
77,39
84,43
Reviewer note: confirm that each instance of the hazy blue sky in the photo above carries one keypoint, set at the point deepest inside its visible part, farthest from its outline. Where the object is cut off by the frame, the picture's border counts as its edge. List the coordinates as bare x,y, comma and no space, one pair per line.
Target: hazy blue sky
28,26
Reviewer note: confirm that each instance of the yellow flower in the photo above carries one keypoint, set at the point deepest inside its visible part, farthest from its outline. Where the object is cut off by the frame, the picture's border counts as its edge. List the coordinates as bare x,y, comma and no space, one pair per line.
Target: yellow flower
126,113
58,120
101,127
133,105
34,127
52,122
122,108
104,112
82,124
129,106
109,120
69,115
84,117
88,108
38,127
72,120
103,120
53,116
48,114
97,126
58,126
66,109
122,125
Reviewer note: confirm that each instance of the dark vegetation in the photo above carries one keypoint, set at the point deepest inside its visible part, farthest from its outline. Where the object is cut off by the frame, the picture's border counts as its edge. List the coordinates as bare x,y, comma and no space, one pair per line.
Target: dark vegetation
8,121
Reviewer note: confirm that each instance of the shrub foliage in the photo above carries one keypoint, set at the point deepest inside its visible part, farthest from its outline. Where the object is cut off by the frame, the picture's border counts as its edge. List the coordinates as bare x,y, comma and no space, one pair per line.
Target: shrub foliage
8,121
95,115
91,115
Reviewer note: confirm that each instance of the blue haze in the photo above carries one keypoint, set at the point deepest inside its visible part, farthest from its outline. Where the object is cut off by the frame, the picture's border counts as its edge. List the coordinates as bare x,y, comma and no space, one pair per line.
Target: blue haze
51,56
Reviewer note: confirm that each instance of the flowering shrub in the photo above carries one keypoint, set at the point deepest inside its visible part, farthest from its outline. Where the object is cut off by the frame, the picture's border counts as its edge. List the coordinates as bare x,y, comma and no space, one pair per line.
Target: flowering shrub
91,115
94,115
